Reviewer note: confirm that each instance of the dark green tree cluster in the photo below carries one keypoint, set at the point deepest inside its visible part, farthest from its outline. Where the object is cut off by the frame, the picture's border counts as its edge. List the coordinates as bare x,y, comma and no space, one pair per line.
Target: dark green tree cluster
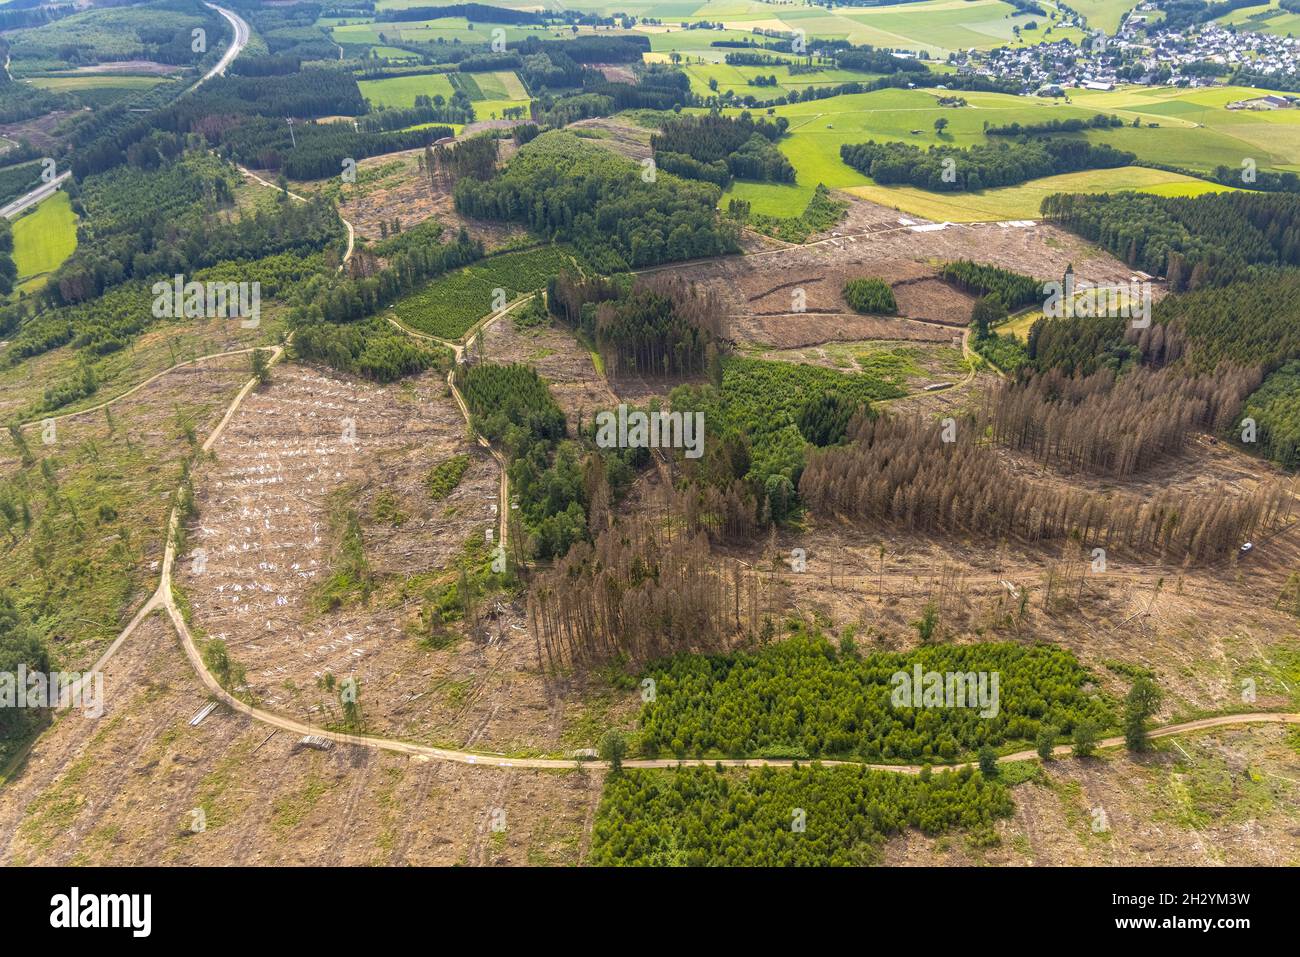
371,348
1275,407
656,327
825,416
315,150
801,698
616,216
19,646
475,157
8,269
949,168
18,179
1051,127
717,148
810,817
1012,288
1081,344
512,406
871,296
1198,241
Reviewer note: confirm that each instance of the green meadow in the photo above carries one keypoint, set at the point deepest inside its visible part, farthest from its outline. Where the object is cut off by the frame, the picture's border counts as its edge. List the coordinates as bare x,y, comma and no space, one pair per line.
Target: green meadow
1192,128
1104,14
401,91
43,239
1264,18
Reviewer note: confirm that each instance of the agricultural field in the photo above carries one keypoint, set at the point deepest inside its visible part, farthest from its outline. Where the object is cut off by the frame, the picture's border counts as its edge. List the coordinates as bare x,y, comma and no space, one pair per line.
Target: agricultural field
1104,14
1263,18
94,81
1190,124
1023,202
43,239
401,91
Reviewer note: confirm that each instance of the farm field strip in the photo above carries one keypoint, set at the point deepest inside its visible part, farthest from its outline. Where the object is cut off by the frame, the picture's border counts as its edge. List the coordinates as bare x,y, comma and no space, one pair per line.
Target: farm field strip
45,237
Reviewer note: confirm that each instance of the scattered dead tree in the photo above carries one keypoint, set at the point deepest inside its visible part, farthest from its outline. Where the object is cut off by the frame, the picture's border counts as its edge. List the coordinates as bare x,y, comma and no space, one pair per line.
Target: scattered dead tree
644,589
900,471
1109,425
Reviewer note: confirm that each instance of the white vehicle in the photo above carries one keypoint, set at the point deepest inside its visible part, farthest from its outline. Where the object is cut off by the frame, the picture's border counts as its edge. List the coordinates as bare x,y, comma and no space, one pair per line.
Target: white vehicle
1247,547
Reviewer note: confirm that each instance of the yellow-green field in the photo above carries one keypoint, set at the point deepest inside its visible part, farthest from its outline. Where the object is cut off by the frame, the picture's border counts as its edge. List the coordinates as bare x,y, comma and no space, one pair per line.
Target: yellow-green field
1193,130
1264,18
95,81
496,92
43,239
1104,14
1023,201
1019,324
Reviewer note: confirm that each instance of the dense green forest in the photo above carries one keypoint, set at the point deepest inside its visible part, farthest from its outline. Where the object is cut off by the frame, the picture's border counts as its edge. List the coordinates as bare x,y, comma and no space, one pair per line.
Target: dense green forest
371,348
870,296
512,406
1013,289
699,816
1245,323
657,327
617,217
716,148
1197,241
803,698
755,445
978,167
1275,407
144,223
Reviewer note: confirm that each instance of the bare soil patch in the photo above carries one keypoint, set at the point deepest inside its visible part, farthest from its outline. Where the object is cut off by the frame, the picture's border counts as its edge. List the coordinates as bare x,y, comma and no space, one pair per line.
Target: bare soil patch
405,193
763,285
625,138
1228,796
559,359
139,785
41,131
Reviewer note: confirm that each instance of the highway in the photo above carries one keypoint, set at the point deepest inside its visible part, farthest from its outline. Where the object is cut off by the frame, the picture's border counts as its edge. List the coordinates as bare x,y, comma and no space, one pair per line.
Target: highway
242,34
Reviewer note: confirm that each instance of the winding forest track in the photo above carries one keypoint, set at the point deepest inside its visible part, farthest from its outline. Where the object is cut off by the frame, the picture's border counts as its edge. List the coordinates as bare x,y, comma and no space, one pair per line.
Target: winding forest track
140,385
164,599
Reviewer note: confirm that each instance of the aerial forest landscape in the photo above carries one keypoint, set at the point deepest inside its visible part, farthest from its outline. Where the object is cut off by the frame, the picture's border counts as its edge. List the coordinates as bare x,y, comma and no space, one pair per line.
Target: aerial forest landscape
725,433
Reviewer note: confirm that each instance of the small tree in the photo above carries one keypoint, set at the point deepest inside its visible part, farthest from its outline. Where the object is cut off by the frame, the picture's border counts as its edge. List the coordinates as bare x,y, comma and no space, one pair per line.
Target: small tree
1142,702
1085,739
940,125
613,746
1046,741
987,312
988,761
928,622
261,366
